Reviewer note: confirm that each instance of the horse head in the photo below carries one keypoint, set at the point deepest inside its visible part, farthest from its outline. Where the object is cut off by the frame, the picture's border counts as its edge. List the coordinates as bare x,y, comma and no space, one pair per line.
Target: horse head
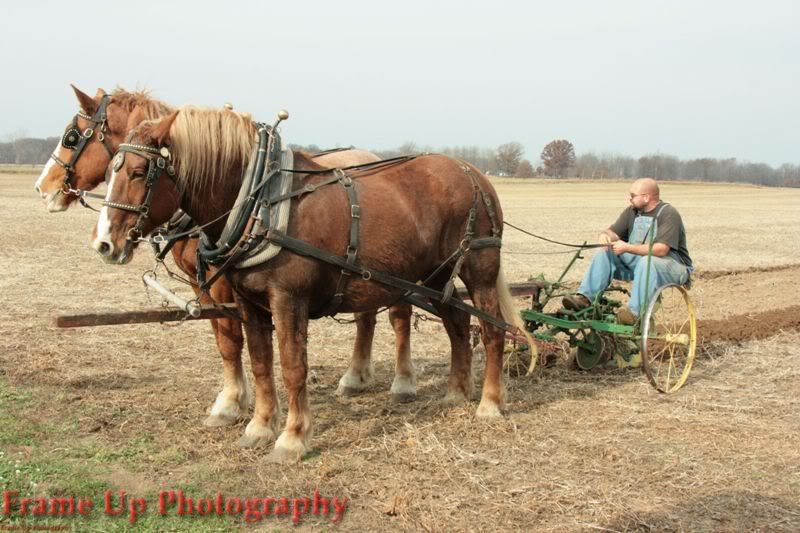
81,156
142,189
88,144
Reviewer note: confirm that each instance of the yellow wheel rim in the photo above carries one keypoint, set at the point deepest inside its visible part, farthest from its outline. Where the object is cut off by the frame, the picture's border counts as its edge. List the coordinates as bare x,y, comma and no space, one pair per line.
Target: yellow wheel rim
669,338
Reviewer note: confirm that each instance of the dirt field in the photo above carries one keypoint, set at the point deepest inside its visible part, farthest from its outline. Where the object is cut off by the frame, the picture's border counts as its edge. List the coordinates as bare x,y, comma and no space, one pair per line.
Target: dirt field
86,410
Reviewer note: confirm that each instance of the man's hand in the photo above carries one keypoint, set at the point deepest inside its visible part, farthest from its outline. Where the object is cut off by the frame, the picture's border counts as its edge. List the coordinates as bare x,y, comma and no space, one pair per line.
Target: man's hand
620,247
604,238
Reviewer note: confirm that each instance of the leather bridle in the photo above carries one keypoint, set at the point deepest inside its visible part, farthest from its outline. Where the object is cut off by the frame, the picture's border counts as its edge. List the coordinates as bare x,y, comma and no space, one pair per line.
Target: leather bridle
76,141
159,160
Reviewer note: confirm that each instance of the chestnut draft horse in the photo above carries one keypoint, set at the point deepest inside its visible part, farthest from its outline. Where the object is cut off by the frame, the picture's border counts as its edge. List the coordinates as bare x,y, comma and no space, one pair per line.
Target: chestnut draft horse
79,164
413,216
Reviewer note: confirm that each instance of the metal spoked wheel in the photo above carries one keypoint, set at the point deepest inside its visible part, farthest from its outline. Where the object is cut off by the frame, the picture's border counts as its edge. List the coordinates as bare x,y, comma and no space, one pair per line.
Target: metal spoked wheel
669,338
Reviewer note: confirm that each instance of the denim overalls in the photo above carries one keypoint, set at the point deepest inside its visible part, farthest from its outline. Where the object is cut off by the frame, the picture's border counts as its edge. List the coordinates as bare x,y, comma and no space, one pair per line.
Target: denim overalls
663,270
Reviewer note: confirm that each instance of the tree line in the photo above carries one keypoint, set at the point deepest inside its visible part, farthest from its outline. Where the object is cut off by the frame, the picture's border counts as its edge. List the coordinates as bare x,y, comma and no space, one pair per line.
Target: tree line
27,151
557,159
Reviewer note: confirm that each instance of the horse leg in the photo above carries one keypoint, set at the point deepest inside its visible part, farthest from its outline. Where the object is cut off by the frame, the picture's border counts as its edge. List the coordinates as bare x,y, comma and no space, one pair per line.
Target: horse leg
456,323
234,400
265,424
359,374
493,395
404,386
291,325
484,279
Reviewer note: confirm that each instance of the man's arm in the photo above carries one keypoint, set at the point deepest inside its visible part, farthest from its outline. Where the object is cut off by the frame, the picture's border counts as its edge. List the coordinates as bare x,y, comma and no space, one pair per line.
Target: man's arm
621,247
607,237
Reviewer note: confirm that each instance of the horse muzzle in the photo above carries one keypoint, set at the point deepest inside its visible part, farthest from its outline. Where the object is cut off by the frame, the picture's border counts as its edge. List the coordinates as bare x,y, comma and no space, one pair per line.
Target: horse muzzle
111,254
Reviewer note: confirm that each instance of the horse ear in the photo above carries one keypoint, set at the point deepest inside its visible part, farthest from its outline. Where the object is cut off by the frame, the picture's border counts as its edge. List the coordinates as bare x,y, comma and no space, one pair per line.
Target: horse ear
88,105
135,118
161,130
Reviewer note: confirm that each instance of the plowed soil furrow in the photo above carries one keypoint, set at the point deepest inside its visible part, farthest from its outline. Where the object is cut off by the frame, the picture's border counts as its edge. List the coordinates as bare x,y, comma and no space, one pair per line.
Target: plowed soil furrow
751,326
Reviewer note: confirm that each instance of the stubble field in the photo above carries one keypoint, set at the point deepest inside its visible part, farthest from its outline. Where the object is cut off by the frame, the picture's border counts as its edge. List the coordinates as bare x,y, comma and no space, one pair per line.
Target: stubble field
87,410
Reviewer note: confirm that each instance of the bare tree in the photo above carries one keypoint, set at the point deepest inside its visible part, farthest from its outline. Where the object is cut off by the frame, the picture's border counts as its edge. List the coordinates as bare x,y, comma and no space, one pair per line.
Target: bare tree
524,169
558,156
508,157
408,148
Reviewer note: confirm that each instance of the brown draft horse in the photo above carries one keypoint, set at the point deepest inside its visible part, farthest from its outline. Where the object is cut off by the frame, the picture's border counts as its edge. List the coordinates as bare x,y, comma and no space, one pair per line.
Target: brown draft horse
234,400
413,217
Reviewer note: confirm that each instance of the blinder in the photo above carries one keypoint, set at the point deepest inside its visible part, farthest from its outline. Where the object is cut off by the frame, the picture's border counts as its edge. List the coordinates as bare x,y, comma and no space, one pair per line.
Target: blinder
71,138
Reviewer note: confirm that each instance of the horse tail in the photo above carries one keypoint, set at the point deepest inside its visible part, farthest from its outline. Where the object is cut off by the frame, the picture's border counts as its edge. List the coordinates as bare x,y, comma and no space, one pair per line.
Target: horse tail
511,314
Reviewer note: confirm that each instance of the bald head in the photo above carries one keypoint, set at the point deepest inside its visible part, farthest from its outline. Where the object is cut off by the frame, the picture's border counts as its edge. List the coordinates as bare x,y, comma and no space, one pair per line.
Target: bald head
645,186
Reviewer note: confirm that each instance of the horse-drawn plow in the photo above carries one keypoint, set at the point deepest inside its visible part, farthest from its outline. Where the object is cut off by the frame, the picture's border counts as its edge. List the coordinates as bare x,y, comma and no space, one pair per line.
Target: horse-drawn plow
663,343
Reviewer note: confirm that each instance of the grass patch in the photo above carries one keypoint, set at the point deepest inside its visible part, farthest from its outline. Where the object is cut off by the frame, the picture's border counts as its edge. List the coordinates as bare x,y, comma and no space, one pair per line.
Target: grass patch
34,463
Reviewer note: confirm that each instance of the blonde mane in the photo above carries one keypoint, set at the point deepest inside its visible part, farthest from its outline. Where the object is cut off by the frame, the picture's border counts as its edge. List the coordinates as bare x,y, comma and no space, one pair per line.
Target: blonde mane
151,107
208,143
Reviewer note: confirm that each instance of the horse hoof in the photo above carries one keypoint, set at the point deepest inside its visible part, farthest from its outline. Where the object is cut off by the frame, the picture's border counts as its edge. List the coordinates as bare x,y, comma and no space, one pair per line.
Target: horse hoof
346,391
286,456
454,398
488,410
253,441
218,421
404,397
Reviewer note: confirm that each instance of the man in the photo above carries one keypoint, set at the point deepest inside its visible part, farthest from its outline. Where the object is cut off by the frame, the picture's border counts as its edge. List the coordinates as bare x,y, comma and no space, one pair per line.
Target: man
625,257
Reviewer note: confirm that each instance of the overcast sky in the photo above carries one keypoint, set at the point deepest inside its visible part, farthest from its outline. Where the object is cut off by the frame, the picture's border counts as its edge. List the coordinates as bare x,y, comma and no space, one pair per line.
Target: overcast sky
689,78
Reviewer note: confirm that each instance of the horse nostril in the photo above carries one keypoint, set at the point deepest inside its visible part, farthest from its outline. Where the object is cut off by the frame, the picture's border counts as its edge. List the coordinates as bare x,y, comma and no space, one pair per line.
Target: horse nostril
36,188
103,248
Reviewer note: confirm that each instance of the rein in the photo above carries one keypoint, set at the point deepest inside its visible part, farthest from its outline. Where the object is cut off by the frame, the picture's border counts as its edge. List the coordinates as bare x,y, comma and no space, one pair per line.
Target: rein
581,246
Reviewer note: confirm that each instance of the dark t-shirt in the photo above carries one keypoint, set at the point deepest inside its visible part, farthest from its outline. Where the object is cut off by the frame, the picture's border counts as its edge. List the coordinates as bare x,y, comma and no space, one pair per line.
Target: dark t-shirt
670,229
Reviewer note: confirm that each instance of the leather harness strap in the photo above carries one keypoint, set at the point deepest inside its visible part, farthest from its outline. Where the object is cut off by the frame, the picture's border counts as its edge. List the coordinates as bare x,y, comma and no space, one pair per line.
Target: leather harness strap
332,307
303,248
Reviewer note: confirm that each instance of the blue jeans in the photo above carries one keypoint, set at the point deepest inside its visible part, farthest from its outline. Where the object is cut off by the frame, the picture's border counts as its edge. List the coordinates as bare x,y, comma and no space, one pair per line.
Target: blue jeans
626,267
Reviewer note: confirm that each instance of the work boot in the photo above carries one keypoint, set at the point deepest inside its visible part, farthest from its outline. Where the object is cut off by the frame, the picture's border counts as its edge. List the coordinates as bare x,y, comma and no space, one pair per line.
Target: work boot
626,316
575,302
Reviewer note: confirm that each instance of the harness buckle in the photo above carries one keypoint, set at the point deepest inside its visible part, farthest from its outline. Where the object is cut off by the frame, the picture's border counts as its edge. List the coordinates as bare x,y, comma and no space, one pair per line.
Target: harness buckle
130,235
355,211
161,163
88,132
